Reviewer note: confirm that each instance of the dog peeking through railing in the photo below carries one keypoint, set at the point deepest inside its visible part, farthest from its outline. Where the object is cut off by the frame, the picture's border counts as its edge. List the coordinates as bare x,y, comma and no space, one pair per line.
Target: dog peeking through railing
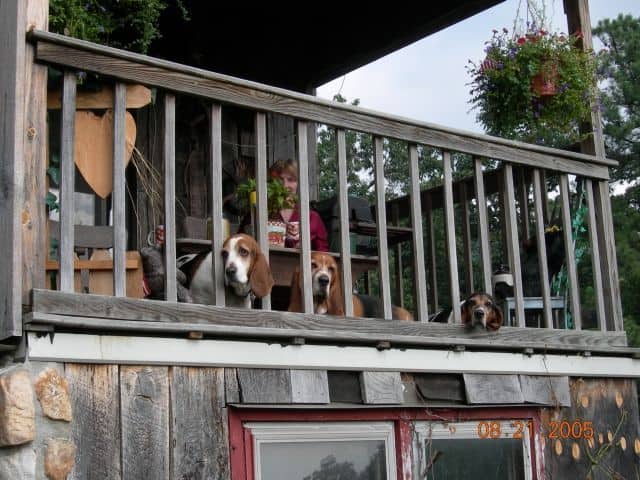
327,292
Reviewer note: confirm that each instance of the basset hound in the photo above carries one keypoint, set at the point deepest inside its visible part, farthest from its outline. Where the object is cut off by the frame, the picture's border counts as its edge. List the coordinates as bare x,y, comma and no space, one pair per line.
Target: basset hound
479,309
327,292
246,273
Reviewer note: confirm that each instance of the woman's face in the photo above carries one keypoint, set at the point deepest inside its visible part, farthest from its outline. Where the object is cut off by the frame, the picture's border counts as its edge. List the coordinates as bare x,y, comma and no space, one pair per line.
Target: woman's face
290,181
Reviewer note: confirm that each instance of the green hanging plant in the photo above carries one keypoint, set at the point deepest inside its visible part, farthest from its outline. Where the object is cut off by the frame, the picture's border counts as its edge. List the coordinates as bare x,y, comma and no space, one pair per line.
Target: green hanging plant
538,87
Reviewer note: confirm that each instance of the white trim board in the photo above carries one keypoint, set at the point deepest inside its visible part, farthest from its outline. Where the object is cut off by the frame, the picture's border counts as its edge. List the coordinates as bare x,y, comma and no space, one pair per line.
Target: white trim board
81,348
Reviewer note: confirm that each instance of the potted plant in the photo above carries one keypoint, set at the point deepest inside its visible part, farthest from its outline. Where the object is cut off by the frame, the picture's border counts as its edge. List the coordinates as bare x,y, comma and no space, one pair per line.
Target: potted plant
536,87
278,198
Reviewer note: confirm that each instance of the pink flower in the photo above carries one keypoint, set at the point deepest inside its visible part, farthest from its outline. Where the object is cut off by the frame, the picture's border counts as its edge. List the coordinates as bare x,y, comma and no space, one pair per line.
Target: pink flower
521,40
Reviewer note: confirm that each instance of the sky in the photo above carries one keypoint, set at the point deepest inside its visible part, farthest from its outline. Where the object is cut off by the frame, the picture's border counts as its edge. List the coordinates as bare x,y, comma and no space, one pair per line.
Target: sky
427,80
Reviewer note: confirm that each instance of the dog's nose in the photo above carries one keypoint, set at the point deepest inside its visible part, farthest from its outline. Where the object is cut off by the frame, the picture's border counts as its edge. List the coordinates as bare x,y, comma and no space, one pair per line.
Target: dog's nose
478,313
231,270
323,280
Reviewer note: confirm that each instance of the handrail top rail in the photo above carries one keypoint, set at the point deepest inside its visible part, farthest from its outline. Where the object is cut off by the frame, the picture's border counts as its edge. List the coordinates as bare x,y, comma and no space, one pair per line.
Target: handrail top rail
62,40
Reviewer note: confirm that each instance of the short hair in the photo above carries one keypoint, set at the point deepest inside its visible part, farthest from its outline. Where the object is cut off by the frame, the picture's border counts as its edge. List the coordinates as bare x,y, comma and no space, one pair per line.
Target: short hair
279,167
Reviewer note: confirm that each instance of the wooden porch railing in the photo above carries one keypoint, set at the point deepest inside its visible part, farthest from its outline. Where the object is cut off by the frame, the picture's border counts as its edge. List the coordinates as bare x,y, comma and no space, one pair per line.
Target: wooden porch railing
71,54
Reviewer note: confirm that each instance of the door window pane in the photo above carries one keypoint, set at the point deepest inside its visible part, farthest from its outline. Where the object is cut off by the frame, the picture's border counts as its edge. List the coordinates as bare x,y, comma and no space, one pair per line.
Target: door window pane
353,460
497,459
495,449
323,451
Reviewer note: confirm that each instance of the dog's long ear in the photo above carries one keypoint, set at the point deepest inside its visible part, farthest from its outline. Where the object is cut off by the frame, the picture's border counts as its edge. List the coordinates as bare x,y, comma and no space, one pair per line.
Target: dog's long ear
260,279
295,301
465,313
495,322
335,302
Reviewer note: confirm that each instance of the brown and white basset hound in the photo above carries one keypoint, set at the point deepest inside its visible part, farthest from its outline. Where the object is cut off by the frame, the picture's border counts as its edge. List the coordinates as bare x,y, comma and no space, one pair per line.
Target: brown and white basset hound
246,273
327,292
479,309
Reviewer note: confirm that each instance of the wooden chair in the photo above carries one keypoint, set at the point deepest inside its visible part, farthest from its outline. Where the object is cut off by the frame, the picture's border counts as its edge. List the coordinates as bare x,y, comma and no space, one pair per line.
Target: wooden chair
93,263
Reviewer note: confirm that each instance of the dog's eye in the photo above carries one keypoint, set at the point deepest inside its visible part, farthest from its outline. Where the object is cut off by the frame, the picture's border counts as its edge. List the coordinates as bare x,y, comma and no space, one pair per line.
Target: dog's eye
314,265
332,269
224,254
243,252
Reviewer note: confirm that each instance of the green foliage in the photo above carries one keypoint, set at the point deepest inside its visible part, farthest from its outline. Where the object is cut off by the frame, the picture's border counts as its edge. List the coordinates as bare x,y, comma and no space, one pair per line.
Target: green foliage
278,197
508,105
621,96
127,24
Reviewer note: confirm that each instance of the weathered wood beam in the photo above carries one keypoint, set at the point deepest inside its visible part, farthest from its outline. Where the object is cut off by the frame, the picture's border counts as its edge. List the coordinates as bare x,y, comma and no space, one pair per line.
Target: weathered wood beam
111,313
61,50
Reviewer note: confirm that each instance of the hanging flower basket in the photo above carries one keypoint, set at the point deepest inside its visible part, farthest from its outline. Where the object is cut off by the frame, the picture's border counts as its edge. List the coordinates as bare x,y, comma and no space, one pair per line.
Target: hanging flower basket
537,87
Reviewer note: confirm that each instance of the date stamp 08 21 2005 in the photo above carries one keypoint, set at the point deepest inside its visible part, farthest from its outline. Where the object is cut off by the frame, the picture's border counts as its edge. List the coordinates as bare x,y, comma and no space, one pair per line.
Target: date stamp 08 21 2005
557,429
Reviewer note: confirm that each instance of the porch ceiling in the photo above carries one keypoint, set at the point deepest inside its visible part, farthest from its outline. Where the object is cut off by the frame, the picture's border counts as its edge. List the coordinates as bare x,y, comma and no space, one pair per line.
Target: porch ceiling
296,48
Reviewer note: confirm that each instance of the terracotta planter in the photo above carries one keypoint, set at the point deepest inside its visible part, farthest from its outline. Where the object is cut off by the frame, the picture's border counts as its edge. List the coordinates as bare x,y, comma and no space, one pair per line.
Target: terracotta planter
545,83
276,233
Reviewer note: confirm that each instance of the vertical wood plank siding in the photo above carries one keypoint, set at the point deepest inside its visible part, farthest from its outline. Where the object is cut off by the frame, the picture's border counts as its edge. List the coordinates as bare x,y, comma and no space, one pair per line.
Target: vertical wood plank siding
542,248
95,402
144,403
67,180
216,203
450,231
343,205
118,194
381,222
483,226
513,245
305,234
170,281
595,255
420,278
261,191
567,232
199,427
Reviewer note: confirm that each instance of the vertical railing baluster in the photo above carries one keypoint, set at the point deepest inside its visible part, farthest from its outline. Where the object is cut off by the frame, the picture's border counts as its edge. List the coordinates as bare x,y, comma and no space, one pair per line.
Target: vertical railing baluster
169,156
118,196
450,230
398,268
433,259
513,248
545,203
305,234
572,275
67,182
381,220
466,238
595,255
483,226
523,193
343,205
609,260
542,249
421,308
215,138
261,191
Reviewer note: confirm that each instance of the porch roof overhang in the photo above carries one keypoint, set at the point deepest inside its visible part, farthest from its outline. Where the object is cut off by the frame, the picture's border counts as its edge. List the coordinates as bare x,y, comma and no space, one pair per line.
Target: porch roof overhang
294,48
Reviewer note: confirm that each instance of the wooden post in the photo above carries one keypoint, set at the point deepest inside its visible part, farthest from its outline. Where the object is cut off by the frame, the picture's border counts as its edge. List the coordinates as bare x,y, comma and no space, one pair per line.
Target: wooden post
34,235
578,19
12,93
